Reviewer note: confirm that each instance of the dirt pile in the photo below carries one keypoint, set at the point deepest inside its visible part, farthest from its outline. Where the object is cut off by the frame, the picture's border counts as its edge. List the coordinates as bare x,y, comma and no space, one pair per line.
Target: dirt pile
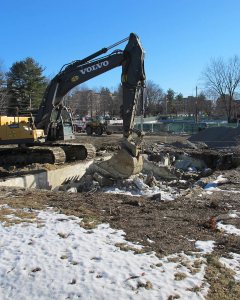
218,137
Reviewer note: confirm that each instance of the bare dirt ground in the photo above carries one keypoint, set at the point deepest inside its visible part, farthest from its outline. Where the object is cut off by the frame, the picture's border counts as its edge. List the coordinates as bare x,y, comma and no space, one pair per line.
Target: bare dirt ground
164,227
174,226
113,140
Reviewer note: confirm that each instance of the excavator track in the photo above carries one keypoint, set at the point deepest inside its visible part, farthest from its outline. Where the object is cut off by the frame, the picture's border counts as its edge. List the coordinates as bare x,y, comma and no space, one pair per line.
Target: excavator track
77,151
20,156
57,153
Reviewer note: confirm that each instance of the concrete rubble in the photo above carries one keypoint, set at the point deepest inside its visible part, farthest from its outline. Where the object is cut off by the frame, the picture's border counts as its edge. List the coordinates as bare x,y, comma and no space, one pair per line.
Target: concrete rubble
163,173
168,170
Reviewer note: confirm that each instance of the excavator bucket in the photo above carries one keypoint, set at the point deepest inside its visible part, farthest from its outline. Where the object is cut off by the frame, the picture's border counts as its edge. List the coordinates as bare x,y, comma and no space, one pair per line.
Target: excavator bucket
121,165
126,162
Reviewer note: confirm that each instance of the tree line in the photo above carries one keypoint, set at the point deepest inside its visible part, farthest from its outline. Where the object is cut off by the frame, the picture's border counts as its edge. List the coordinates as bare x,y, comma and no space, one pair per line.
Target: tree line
23,86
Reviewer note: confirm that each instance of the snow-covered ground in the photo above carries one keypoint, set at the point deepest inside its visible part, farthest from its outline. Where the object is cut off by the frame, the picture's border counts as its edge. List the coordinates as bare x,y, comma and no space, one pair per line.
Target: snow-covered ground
205,246
232,263
55,258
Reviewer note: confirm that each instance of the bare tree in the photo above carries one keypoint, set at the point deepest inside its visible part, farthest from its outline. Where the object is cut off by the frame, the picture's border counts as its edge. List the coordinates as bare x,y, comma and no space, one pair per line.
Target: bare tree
154,98
78,100
222,79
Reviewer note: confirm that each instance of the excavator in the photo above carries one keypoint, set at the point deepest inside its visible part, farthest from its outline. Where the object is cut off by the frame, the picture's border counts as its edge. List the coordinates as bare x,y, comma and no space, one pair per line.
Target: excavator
48,136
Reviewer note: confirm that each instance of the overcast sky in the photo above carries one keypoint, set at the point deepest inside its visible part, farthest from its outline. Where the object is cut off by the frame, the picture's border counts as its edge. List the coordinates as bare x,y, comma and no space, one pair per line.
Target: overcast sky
179,36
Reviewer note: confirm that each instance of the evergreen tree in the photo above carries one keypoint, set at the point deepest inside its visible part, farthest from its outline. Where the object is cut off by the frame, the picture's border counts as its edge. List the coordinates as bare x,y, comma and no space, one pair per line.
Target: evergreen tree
3,91
179,97
169,105
26,84
117,98
106,101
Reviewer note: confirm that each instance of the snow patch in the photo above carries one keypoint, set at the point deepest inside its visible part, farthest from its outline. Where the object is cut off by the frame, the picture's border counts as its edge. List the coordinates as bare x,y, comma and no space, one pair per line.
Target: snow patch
230,229
205,246
60,260
233,264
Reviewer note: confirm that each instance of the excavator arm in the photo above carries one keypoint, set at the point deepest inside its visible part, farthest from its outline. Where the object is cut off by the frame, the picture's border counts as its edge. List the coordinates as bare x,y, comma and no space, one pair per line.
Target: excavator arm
55,119
132,61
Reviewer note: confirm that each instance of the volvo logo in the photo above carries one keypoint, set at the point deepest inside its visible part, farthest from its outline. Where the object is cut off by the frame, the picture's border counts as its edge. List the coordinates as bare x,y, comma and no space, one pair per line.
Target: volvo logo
95,67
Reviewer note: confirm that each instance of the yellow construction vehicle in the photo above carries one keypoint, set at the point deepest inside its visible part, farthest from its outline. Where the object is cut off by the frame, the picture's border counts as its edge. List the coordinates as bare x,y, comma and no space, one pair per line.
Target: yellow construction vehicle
51,130
14,130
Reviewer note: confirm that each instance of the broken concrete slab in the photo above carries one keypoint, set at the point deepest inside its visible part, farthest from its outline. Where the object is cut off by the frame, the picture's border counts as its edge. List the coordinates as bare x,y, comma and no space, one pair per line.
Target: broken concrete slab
47,179
188,163
156,197
140,184
103,181
159,171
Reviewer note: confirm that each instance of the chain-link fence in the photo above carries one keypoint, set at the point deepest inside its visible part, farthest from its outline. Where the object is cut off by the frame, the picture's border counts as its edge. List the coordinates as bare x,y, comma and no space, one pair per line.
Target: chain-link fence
179,127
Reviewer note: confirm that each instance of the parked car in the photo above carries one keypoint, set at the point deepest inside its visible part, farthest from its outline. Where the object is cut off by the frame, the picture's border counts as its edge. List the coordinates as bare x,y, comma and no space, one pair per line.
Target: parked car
79,127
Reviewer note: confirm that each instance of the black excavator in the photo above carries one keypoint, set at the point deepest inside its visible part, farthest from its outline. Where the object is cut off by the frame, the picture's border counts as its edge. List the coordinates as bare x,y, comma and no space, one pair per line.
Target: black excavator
49,134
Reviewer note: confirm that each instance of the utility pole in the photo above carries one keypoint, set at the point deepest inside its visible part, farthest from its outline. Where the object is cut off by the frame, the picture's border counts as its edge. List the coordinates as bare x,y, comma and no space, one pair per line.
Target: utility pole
166,105
196,106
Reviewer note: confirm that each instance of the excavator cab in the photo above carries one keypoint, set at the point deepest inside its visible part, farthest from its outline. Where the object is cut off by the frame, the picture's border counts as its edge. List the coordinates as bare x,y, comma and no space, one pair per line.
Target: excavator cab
60,125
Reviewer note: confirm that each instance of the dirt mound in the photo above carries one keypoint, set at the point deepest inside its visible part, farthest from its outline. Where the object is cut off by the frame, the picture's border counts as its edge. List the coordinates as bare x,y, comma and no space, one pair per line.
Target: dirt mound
218,137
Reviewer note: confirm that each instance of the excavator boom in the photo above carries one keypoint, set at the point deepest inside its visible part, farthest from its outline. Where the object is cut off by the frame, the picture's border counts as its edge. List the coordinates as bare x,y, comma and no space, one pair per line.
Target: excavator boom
132,61
55,119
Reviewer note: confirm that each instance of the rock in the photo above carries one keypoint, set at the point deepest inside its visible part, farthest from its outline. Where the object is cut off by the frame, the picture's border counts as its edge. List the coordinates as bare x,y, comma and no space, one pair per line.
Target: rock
12,168
192,169
86,182
103,181
166,160
72,190
191,145
185,162
61,188
148,285
158,170
139,184
150,180
200,183
101,152
2,170
156,197
222,180
206,172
